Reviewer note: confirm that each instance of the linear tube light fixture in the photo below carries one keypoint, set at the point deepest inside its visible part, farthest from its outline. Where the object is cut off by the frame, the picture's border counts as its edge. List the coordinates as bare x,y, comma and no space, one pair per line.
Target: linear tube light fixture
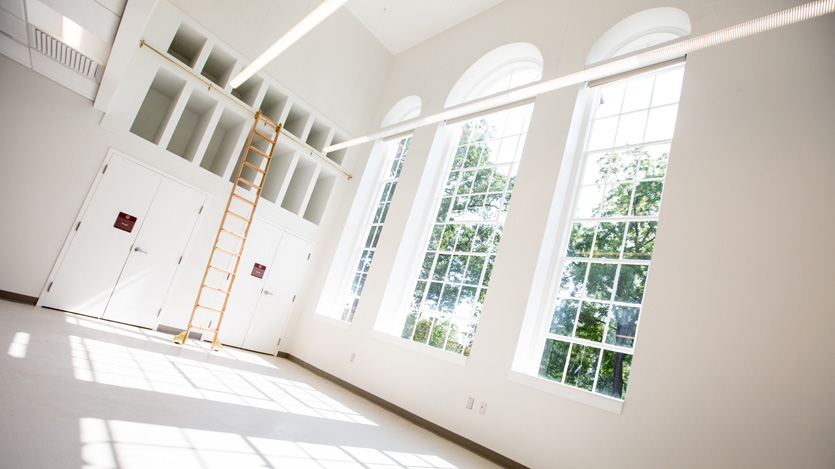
662,54
295,33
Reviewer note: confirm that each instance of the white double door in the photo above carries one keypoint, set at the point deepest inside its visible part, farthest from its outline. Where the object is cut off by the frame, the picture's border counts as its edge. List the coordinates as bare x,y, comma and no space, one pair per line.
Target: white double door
272,266
123,257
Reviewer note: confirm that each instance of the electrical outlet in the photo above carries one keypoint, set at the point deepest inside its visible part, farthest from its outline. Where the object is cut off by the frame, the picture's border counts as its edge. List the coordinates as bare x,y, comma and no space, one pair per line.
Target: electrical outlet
353,356
470,402
483,408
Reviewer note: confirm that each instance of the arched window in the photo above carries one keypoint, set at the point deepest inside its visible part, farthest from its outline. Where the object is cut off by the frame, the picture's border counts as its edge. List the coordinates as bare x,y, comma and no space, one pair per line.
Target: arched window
454,273
586,337
395,151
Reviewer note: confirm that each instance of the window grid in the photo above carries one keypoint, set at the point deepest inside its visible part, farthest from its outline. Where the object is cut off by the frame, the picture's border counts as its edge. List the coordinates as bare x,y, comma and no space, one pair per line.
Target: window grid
458,260
388,185
606,259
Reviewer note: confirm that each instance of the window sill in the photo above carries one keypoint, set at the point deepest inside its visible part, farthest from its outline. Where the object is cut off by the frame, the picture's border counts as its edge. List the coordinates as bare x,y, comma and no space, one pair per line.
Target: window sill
606,403
420,348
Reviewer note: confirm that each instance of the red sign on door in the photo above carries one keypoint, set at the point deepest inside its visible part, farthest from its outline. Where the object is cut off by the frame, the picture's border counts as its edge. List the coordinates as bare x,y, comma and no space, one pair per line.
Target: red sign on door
125,222
258,270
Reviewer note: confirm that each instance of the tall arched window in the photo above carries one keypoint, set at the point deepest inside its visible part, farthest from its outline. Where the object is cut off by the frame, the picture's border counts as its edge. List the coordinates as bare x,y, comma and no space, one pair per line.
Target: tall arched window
396,151
454,275
587,337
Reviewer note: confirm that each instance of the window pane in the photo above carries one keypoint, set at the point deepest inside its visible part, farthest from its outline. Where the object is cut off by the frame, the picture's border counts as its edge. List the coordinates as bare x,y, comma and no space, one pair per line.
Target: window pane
573,279
443,210
596,169
638,94
616,202
623,325
614,374
483,238
624,163
592,320
466,301
647,198
507,150
474,269
579,245
581,366
588,201
465,238
435,238
409,326
667,87
417,295
661,123
631,283
448,238
449,297
611,98
441,267
608,241
552,364
488,271
422,331
426,267
456,269
601,281
603,133
631,128
653,162
640,240
433,294
565,314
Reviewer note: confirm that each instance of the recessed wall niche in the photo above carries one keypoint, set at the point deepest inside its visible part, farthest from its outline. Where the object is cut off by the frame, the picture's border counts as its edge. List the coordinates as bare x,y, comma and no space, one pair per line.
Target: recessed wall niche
319,197
299,184
187,45
218,67
192,125
248,91
225,138
273,104
318,136
155,112
296,121
281,166
339,155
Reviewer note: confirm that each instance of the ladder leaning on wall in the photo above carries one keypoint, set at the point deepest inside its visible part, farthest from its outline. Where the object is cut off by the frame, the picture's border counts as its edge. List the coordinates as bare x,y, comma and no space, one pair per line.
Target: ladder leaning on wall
213,297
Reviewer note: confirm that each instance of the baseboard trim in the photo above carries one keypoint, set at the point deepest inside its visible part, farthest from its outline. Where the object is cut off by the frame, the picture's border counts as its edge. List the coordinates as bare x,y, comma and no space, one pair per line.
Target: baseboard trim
18,298
476,448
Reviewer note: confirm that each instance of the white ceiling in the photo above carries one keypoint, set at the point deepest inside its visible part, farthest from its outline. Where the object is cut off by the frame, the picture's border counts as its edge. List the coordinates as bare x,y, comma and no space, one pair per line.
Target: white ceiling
400,24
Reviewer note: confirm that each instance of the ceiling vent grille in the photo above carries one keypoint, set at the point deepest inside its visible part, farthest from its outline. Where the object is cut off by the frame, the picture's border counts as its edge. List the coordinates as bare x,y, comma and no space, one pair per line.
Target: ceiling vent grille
65,54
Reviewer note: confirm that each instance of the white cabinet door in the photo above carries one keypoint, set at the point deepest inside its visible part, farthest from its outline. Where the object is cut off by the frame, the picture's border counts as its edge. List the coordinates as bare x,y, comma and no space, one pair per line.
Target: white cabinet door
152,263
94,260
260,249
276,301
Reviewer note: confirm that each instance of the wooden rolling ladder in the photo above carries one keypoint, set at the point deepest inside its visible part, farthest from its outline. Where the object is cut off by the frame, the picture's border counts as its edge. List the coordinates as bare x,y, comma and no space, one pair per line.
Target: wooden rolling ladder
213,297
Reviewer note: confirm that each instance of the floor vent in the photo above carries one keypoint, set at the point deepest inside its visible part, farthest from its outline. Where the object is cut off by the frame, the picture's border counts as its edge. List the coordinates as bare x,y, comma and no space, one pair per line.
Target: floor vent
65,54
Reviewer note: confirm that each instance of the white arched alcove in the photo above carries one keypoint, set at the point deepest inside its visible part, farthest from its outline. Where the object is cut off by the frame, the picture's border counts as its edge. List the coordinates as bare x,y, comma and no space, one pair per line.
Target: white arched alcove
405,109
640,31
501,69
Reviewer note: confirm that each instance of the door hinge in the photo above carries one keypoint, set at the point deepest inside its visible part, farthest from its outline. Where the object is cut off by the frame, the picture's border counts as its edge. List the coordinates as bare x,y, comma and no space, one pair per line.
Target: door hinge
308,256
278,343
50,286
181,260
159,312
104,170
294,299
210,325
77,225
200,211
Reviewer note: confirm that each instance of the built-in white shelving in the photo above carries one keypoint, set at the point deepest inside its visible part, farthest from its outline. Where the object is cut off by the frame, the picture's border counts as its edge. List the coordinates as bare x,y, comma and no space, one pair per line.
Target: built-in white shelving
190,111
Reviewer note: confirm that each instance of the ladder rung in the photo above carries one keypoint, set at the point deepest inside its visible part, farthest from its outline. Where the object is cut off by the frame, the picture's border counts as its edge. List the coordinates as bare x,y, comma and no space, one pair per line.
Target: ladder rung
222,270
269,139
239,216
227,252
232,233
245,181
216,289
211,309
256,168
259,151
244,199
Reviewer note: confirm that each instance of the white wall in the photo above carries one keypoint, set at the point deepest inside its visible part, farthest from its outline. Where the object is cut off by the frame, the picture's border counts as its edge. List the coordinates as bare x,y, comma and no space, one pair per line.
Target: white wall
732,366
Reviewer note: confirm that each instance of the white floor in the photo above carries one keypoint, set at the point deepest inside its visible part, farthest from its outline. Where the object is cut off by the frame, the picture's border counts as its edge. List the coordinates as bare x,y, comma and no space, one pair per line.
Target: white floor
77,392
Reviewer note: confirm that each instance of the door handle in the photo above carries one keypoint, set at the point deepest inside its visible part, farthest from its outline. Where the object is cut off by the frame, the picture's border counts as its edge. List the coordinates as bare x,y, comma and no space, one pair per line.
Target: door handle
268,293
139,249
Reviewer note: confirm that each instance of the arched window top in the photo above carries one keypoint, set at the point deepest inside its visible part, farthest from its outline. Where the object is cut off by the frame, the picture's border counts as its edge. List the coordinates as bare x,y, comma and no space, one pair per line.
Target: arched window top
501,69
405,109
640,31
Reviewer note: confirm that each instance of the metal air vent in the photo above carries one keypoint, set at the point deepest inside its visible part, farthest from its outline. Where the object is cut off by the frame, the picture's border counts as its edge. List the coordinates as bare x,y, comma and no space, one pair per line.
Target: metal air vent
65,54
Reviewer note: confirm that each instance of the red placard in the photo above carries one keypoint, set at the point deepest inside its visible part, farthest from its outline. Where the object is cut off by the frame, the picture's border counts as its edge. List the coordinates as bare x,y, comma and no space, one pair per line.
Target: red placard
125,222
258,270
